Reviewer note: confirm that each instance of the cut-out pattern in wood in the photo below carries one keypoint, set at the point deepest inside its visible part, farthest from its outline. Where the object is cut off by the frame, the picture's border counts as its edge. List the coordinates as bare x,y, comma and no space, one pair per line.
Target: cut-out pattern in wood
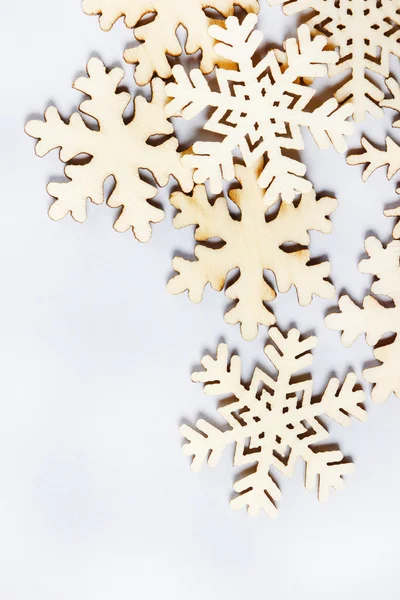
115,148
259,108
373,157
374,319
365,32
253,243
273,422
158,36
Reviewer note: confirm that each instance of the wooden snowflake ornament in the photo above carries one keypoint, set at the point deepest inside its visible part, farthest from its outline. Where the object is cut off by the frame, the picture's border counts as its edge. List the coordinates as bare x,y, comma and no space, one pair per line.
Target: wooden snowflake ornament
373,157
159,36
116,149
273,422
365,32
253,243
259,108
374,319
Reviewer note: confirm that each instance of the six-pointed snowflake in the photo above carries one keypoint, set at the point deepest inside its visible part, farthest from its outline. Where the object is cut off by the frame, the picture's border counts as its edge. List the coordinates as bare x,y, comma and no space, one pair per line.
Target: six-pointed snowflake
273,422
373,157
259,109
374,319
365,32
159,36
254,243
115,149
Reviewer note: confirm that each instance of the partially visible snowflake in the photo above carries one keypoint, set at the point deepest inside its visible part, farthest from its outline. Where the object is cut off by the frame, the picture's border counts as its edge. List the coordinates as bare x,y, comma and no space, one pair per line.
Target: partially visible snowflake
366,33
259,108
254,243
374,319
159,36
273,422
115,149
373,157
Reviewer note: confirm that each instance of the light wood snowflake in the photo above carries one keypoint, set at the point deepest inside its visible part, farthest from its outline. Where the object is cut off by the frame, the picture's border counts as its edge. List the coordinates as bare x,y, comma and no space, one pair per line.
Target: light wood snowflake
259,108
116,149
273,422
253,243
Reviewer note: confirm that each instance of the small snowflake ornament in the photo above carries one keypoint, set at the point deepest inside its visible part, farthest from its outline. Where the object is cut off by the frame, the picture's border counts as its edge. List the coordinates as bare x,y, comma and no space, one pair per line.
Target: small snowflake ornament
273,422
374,319
259,108
365,32
115,148
374,158
253,243
159,37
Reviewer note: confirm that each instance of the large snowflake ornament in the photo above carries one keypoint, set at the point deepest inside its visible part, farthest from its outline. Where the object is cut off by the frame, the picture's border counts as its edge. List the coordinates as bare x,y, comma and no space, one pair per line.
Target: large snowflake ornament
373,157
159,36
115,148
365,32
253,243
273,422
374,318
259,108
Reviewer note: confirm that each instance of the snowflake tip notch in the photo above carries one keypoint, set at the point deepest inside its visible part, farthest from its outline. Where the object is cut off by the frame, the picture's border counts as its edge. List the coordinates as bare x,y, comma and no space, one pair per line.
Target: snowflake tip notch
273,422
365,32
158,36
114,149
374,318
259,108
253,243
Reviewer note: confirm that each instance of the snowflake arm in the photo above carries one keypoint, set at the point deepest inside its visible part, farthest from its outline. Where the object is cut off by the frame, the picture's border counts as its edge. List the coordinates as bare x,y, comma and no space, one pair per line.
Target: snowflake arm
372,319
115,149
372,156
365,34
159,36
263,422
254,108
211,266
253,245
375,158
292,268
339,403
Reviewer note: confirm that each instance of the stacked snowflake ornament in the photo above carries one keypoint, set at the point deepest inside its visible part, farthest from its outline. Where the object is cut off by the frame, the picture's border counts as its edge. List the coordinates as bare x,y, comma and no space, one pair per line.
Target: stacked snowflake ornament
116,149
159,37
253,244
365,32
259,108
374,318
273,422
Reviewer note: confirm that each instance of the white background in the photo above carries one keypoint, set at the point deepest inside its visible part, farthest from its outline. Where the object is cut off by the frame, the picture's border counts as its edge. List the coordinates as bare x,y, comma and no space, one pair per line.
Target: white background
96,499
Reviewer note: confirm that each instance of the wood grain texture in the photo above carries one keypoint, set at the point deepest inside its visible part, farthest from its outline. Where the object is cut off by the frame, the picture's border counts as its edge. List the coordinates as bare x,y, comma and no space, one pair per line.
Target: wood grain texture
158,37
374,318
273,422
365,32
253,243
116,149
259,108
